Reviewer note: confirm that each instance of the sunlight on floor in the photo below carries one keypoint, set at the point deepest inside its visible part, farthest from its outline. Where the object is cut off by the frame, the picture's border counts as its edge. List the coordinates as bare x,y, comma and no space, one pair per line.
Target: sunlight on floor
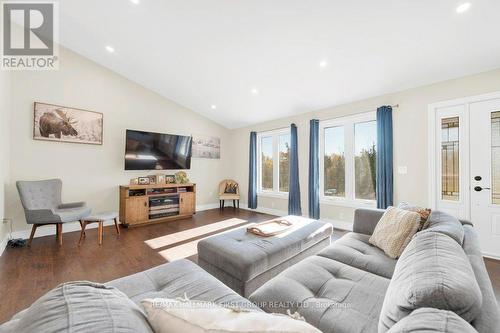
188,249
185,235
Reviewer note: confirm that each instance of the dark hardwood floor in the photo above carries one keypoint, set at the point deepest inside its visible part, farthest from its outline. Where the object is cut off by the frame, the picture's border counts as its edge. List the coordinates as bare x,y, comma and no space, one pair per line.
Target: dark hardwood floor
27,273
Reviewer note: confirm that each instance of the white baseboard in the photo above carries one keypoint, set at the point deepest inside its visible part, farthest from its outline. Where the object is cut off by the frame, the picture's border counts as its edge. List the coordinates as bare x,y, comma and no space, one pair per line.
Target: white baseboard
3,244
50,230
200,208
338,224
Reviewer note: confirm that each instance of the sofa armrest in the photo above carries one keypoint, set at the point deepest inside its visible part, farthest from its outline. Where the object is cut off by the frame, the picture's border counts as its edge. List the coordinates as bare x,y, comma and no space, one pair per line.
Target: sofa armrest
72,205
41,216
365,220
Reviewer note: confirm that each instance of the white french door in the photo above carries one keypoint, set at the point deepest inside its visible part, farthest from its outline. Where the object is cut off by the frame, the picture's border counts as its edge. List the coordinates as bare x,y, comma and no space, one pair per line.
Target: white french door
484,120
465,164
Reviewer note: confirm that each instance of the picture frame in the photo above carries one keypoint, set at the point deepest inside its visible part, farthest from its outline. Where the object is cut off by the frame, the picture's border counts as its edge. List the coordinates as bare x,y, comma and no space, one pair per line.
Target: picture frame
152,179
160,179
143,180
169,179
59,123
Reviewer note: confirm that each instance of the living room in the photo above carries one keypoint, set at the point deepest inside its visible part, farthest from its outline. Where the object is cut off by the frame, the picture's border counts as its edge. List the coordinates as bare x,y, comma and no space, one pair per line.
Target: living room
307,166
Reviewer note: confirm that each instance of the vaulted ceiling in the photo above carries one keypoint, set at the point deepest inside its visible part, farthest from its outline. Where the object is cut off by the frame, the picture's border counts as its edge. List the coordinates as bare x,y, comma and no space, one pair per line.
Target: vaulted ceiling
241,62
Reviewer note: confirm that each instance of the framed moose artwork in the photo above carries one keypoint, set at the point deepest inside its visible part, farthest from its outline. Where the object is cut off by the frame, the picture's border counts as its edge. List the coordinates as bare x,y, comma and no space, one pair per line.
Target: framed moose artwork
64,124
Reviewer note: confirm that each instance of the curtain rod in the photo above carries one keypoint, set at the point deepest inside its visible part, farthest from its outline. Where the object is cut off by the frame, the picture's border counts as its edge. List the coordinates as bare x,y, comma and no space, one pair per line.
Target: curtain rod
394,106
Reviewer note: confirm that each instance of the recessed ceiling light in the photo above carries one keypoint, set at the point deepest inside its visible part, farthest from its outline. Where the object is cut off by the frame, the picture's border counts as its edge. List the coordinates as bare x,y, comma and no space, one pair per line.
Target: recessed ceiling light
135,2
255,91
323,64
463,7
213,107
110,49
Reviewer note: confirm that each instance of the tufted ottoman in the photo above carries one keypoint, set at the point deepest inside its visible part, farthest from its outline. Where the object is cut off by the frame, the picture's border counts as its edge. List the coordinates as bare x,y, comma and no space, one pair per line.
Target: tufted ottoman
244,261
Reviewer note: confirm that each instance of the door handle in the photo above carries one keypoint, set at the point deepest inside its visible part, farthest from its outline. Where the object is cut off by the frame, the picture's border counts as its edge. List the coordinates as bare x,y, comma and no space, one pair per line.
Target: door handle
479,188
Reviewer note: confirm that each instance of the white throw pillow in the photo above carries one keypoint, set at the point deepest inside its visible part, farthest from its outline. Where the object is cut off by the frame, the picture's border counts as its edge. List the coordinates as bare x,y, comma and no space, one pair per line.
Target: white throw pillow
395,230
175,316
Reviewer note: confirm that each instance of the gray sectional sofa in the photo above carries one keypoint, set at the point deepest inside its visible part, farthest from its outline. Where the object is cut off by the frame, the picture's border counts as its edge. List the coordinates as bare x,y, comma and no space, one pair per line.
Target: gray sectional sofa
439,284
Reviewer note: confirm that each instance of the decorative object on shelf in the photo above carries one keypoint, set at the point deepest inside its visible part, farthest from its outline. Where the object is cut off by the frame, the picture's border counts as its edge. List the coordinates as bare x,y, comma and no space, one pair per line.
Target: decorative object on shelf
64,124
181,178
170,179
134,181
160,179
206,147
143,180
152,179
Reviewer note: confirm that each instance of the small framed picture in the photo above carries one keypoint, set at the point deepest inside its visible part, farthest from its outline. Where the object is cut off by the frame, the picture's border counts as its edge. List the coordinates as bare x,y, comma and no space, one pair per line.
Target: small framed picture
170,179
134,181
143,180
160,179
152,179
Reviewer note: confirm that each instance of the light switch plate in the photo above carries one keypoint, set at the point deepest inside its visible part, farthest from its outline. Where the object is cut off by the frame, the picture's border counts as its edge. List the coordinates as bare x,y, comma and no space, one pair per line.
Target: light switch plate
402,170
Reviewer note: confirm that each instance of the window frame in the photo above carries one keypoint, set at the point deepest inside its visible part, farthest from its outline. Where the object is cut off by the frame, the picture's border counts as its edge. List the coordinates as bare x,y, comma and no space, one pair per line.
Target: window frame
348,122
275,134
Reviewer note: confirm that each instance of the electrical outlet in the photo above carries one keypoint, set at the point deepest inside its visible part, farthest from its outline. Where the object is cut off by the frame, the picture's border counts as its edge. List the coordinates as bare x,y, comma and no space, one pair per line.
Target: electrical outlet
5,221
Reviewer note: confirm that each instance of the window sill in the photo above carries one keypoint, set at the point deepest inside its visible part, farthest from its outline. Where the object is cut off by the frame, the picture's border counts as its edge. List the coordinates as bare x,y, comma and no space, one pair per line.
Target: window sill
273,195
348,203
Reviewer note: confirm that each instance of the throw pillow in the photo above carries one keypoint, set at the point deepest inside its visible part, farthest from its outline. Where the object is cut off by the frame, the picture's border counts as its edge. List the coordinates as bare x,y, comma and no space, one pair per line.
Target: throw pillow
231,188
395,230
174,316
424,213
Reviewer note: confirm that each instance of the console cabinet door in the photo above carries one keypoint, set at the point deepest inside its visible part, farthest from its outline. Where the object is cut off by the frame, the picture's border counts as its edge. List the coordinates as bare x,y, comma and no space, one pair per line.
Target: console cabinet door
137,209
187,203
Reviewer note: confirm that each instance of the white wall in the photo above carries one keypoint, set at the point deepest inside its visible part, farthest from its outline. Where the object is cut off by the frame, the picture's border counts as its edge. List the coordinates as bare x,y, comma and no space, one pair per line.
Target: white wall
4,149
410,139
93,173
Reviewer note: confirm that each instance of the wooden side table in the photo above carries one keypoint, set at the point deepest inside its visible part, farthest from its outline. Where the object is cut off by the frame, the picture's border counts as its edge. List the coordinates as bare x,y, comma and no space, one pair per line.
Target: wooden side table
99,218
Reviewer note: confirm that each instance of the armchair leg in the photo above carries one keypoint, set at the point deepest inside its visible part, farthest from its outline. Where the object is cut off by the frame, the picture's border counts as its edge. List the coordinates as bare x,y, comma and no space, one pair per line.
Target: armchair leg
33,229
59,233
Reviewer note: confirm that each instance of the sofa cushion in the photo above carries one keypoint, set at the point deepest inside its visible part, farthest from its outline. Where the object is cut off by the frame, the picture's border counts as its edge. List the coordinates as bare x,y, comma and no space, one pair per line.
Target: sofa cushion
355,250
82,307
488,319
432,320
191,316
332,296
446,224
395,230
179,278
432,272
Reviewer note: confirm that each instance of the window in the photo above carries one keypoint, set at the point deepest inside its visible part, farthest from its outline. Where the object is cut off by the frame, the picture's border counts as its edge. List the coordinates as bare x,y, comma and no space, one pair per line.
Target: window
348,147
273,152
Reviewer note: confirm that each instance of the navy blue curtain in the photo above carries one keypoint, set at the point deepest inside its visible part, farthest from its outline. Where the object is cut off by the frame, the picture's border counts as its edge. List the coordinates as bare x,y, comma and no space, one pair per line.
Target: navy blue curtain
293,176
252,176
384,157
314,169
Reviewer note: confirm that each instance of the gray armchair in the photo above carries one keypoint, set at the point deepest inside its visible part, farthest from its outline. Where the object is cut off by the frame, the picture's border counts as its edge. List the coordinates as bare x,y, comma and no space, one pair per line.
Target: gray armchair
42,205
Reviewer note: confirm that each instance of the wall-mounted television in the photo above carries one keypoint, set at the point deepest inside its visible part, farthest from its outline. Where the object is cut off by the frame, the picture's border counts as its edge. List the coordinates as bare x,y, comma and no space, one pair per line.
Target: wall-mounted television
157,151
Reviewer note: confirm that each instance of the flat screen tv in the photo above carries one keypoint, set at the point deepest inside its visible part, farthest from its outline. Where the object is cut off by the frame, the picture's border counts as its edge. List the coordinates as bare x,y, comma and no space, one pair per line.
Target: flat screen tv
157,151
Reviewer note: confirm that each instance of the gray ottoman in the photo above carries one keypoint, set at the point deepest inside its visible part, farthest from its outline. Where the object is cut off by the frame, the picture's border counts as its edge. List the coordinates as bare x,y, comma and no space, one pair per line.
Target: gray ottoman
244,261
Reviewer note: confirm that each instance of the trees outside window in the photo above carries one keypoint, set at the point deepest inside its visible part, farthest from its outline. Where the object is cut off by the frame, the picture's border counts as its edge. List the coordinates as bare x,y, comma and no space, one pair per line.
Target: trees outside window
274,160
349,150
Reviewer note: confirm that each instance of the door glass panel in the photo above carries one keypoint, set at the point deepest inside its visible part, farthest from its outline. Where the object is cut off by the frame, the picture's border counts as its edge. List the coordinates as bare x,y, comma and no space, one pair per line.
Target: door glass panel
495,157
450,159
334,162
